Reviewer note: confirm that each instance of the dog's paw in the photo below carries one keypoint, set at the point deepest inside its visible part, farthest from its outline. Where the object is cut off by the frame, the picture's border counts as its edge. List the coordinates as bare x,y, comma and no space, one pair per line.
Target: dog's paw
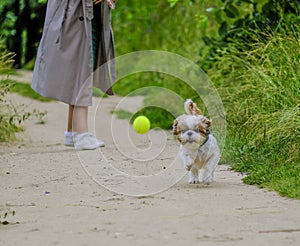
194,179
194,182
207,180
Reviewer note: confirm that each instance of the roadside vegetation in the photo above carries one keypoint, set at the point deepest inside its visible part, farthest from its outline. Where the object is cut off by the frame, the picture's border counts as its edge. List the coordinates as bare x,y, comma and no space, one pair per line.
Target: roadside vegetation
10,119
13,116
260,89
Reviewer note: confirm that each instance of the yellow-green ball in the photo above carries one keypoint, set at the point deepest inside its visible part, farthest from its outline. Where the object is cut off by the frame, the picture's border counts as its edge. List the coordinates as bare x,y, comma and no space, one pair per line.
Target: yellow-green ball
141,124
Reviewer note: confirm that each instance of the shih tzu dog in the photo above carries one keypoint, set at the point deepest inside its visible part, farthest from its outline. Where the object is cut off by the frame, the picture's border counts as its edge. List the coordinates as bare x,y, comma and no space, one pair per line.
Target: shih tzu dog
198,147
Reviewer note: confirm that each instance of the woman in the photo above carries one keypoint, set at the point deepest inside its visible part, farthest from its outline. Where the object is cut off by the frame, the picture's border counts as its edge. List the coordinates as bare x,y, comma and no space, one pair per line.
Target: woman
73,56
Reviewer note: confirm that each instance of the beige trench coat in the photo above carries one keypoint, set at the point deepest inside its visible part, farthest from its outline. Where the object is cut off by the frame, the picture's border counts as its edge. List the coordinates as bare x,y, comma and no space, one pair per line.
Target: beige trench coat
64,68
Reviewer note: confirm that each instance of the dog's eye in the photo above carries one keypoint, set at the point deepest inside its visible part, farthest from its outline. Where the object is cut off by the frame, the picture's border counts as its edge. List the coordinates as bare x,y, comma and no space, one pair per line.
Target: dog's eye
194,130
202,131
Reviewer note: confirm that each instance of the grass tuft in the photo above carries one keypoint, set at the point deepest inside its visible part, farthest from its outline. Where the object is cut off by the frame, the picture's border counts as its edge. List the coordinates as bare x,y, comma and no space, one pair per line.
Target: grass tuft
261,92
23,89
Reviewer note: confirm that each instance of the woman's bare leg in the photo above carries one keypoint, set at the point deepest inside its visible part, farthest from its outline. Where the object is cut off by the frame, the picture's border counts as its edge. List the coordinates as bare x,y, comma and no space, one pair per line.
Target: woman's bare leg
77,119
70,118
78,127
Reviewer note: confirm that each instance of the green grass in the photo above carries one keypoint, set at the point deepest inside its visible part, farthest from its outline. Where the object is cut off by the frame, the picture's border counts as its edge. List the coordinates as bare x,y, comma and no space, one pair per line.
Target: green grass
261,92
10,119
98,93
122,114
139,26
23,89
154,25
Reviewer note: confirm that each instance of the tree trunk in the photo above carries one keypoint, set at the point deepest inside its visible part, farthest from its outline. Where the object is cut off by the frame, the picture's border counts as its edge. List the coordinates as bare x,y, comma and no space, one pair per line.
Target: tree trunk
34,33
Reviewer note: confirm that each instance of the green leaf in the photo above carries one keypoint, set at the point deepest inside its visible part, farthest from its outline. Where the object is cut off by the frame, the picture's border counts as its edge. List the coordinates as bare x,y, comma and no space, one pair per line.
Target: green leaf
211,10
247,1
172,3
231,11
218,16
202,22
223,29
207,40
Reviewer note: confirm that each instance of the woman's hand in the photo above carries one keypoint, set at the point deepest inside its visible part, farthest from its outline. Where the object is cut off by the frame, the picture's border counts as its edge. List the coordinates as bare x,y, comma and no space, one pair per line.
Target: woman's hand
111,3
97,1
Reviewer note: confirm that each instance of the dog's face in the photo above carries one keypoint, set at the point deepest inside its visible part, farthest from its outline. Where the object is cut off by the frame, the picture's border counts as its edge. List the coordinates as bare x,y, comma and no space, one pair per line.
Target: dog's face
191,130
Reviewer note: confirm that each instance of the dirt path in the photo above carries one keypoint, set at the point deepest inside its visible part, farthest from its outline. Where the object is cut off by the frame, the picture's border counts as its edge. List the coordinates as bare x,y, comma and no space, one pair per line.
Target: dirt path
57,202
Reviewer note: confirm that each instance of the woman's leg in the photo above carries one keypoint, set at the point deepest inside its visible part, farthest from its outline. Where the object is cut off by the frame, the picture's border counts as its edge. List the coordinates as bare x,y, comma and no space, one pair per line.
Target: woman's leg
77,130
70,118
77,119
69,134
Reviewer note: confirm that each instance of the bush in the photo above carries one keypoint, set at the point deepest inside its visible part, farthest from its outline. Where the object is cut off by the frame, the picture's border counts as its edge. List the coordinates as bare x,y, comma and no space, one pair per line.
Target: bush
10,118
241,21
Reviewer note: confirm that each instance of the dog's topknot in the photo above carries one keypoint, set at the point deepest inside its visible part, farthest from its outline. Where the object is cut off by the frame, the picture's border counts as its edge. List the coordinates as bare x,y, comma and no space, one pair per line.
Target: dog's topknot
191,108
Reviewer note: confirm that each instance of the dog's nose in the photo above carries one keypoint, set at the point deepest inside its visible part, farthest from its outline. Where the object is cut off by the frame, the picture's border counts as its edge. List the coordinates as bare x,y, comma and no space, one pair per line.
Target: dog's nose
189,134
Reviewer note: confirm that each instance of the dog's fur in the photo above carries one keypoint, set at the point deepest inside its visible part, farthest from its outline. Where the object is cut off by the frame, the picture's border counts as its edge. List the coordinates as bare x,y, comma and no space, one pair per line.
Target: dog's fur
198,147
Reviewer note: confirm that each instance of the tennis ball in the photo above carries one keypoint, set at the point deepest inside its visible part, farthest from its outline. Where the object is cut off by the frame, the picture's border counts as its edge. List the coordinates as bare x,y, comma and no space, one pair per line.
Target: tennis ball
141,124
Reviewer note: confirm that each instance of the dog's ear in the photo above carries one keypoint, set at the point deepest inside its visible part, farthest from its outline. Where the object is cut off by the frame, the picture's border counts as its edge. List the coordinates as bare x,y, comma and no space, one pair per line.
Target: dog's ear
207,122
175,127
204,126
194,109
